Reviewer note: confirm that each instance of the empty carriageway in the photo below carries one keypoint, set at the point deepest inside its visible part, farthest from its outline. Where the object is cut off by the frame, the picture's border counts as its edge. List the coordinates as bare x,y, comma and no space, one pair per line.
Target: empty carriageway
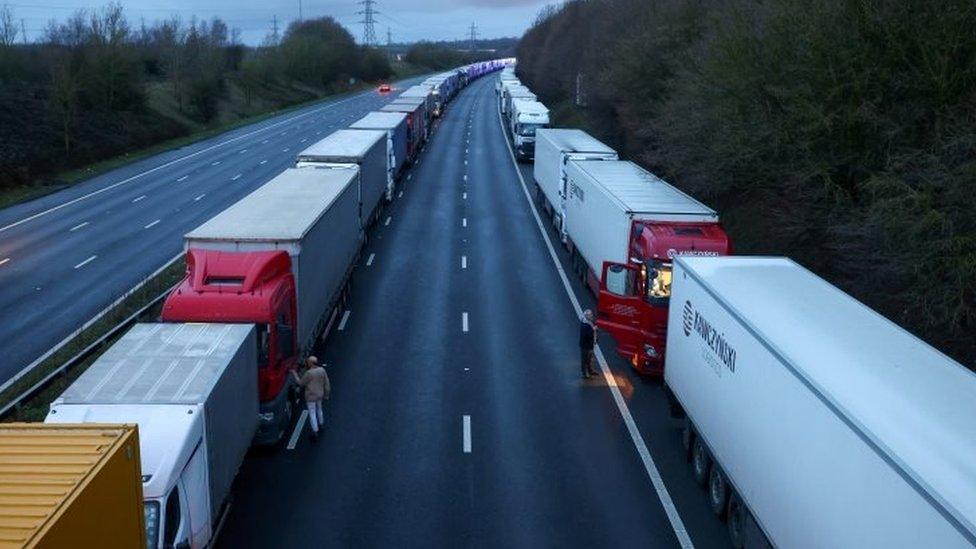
457,415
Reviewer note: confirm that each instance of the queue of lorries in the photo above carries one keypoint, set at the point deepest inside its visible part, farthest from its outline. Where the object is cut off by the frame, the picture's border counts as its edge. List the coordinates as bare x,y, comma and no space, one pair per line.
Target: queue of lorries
810,419
141,450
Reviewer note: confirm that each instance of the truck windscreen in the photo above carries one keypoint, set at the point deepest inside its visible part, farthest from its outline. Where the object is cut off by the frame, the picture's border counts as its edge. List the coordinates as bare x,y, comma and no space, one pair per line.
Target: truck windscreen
658,283
529,129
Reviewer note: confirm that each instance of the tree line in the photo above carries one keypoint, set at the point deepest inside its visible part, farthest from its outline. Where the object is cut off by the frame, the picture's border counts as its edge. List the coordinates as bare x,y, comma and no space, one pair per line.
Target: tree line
841,133
95,86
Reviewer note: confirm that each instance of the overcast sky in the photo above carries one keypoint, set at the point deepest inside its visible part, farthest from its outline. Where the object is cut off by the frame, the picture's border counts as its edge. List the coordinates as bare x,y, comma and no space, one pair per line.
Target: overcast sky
407,20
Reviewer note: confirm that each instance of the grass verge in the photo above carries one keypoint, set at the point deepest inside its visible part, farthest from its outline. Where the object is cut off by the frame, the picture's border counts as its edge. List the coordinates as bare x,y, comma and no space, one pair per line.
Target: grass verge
15,195
35,408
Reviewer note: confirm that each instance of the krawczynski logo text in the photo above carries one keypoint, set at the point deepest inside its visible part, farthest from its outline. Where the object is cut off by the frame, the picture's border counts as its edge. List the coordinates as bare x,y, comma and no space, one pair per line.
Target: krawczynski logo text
688,318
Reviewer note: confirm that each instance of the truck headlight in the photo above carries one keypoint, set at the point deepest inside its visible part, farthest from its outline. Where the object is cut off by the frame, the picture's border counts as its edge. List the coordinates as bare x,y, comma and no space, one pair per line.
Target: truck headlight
151,510
650,351
266,417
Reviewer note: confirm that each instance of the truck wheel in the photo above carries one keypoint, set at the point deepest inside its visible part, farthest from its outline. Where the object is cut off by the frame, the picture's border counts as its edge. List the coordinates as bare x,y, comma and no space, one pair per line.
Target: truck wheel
701,462
736,519
687,437
718,492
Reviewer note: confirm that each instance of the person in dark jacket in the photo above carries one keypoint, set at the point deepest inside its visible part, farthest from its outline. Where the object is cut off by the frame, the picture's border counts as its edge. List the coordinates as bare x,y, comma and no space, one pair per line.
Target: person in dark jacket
587,338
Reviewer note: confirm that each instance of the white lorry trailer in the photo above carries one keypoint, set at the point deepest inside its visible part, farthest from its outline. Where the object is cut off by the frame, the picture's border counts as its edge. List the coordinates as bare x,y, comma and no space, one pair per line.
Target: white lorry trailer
554,148
363,148
192,391
397,141
815,421
527,117
606,198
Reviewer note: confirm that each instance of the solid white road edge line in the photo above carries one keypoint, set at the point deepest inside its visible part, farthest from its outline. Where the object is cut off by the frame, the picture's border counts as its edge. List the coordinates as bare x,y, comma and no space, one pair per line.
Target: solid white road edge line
174,161
645,455
466,436
299,427
342,323
370,260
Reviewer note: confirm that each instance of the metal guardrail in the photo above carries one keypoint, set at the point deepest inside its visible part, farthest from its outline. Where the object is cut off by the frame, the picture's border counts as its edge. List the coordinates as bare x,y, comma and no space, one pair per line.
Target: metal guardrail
15,404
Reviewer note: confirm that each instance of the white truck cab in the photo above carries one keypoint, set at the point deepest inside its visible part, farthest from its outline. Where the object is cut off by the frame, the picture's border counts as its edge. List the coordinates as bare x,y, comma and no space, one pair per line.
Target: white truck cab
192,390
527,117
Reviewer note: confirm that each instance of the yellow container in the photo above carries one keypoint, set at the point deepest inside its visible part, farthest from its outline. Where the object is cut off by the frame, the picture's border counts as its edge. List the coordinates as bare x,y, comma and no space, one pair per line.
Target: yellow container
65,486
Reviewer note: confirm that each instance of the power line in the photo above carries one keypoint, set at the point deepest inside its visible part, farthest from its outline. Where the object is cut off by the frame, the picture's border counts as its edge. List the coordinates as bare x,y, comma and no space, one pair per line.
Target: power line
368,21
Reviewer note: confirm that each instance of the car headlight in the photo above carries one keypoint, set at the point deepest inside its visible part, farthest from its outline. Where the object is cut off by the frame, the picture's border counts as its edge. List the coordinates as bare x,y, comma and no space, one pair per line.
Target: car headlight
650,351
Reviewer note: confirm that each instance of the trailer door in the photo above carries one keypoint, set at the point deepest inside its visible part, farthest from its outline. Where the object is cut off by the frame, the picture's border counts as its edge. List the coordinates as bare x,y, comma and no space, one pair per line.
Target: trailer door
619,305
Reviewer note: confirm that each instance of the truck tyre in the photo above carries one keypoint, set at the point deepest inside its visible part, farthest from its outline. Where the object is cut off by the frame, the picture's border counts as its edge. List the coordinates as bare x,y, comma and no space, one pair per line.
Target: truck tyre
718,492
736,519
687,437
701,462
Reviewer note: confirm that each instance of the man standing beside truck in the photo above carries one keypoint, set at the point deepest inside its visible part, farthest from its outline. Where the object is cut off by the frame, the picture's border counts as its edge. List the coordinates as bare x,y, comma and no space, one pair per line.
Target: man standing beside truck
587,339
317,387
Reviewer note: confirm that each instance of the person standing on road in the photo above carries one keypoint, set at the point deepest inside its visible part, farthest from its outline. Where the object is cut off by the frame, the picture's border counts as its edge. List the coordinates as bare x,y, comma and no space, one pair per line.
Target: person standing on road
587,339
317,388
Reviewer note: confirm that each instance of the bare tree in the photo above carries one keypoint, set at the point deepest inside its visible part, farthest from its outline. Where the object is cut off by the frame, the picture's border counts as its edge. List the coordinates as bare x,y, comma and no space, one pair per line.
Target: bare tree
8,27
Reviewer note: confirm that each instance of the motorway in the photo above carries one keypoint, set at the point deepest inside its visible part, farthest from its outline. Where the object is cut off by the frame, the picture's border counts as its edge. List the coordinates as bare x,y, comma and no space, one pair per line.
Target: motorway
67,256
458,415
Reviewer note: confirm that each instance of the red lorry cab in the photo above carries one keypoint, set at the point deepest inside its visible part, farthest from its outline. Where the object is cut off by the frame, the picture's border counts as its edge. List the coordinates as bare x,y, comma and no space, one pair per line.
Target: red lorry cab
634,297
243,287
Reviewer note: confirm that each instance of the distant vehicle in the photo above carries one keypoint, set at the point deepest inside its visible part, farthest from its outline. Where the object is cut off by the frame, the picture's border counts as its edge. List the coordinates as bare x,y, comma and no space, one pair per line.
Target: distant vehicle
71,486
625,226
813,420
192,390
385,88
527,117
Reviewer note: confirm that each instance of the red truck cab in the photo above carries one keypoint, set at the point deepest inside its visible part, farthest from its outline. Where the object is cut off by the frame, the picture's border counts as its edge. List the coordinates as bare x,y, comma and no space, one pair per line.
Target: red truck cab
250,288
634,297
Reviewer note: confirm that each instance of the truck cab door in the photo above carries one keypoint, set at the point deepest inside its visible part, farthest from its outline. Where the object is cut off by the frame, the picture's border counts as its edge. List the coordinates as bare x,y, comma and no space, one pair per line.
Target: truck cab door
619,305
194,483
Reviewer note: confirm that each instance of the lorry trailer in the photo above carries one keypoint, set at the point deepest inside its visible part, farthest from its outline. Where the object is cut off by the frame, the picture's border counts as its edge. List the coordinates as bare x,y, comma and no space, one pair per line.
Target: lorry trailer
554,148
813,420
279,259
416,124
363,148
624,227
395,126
424,92
59,483
192,391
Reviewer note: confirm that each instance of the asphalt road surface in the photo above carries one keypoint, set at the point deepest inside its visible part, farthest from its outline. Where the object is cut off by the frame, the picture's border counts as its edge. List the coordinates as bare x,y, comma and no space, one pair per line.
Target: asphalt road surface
458,415
67,256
